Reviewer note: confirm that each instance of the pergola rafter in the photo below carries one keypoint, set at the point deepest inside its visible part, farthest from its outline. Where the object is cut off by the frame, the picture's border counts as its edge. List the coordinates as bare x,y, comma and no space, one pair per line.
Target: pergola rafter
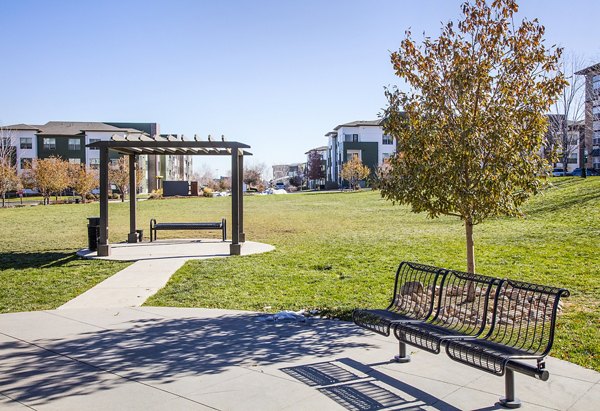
157,145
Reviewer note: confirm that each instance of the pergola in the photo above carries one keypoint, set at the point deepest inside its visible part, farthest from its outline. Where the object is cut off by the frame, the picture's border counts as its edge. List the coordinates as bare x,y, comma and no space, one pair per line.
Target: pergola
145,145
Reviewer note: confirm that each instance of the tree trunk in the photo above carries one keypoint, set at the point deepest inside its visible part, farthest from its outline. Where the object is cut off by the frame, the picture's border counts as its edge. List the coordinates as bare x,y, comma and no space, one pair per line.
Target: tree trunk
3,196
470,246
470,258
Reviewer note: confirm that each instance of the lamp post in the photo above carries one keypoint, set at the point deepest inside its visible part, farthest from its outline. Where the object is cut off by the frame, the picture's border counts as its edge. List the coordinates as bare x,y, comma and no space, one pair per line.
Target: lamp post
585,159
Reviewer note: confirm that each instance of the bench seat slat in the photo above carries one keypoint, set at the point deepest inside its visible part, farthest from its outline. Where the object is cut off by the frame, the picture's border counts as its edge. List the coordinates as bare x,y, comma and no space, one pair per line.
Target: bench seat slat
484,354
379,321
186,226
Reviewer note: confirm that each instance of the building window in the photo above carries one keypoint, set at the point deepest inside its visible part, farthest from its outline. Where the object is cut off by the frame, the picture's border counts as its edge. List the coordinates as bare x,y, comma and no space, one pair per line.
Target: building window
94,140
74,161
94,163
25,163
26,143
387,139
74,144
596,82
49,143
351,138
354,153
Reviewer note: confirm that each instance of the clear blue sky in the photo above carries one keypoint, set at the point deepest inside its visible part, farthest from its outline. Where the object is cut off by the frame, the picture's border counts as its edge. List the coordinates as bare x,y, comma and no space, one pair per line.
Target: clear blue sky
277,75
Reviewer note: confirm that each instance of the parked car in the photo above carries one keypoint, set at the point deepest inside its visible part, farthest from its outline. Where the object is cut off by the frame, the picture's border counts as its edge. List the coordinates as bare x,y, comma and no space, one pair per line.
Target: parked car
588,172
558,172
279,185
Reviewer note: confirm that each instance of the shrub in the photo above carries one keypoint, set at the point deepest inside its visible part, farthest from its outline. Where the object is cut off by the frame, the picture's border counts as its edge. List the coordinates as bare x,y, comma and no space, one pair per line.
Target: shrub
207,192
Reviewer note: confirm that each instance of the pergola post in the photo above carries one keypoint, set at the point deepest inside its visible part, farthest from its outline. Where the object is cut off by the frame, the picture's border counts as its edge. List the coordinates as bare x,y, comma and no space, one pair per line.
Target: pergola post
235,247
103,246
241,196
132,236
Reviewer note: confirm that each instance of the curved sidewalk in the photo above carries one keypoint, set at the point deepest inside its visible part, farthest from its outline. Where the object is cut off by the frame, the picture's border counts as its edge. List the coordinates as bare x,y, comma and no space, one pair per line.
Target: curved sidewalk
154,264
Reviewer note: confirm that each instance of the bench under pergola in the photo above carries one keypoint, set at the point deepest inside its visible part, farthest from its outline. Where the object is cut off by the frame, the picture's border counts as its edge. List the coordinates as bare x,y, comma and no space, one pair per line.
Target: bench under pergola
170,145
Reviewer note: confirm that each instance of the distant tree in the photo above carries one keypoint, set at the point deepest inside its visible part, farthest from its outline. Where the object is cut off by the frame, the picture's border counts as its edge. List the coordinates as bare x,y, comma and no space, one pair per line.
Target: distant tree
224,183
354,171
315,166
9,179
295,181
470,130
564,135
83,180
118,174
253,175
50,176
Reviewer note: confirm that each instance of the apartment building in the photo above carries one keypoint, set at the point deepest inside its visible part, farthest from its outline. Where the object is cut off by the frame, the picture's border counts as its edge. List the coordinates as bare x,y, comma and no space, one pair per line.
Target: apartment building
573,143
69,139
364,139
592,115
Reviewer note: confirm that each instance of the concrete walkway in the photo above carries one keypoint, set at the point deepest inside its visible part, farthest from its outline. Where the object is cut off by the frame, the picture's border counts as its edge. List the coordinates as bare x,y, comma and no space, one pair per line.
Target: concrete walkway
150,358
155,263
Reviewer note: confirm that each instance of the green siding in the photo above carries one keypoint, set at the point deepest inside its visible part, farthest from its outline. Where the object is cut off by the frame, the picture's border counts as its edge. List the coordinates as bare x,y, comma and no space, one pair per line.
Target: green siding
369,153
62,148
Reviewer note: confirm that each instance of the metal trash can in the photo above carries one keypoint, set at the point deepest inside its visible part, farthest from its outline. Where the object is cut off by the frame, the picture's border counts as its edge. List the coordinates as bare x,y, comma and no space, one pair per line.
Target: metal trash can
93,233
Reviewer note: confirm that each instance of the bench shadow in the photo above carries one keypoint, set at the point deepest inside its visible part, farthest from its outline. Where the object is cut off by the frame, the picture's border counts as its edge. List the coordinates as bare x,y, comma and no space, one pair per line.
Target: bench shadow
159,351
20,260
357,386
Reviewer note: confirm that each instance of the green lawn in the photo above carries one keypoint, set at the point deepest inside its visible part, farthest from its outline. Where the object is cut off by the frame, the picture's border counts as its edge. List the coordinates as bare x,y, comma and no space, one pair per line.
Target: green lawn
335,251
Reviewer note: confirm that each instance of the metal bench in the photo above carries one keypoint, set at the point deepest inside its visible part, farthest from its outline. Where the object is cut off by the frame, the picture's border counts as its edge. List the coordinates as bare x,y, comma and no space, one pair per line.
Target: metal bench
154,227
462,311
412,301
522,328
488,323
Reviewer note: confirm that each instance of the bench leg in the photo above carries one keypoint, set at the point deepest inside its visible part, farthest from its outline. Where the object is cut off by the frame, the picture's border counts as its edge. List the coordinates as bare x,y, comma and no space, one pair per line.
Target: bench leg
509,400
402,356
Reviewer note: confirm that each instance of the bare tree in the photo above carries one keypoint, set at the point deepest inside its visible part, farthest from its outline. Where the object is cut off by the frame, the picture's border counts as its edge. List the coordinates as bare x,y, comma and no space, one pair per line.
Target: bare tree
8,170
205,177
253,175
566,119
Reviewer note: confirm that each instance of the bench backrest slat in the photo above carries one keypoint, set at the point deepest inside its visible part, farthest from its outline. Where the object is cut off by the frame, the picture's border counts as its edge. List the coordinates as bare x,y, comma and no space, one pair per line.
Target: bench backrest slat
464,302
525,316
414,290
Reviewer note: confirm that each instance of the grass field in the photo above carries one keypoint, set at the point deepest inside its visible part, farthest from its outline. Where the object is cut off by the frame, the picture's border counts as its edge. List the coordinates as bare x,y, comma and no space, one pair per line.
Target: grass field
335,251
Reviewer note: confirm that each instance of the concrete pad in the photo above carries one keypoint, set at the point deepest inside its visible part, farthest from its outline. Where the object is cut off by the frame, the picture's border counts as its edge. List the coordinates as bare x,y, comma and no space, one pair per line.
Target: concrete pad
42,324
151,358
471,399
535,391
189,249
588,401
7,403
